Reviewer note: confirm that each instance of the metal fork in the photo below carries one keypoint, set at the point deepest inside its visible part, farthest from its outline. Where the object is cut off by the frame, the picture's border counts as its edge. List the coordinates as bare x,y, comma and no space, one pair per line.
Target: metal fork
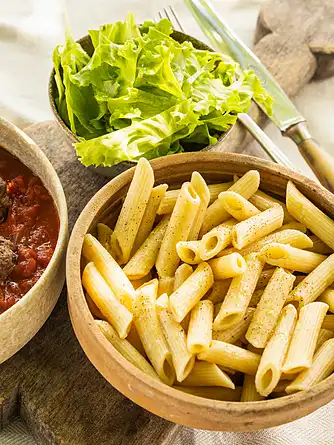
266,143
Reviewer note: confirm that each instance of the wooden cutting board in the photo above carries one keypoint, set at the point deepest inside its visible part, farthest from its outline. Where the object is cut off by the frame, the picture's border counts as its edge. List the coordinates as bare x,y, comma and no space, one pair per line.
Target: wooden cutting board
50,383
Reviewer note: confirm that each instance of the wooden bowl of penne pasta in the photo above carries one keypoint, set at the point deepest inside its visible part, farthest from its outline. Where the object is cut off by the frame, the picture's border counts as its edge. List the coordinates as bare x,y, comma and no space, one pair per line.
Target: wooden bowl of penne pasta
200,286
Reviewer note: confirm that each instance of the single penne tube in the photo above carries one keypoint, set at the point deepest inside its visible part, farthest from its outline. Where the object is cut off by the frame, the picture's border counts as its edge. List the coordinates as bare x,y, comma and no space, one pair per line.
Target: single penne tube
110,270
178,229
212,392
237,206
323,336
270,368
112,310
239,295
145,257
182,273
283,255
254,228
231,356
263,202
104,233
216,240
166,286
216,214
328,323
219,290
249,392
191,291
319,246
269,307
328,298
304,211
228,266
141,281
203,192
314,284
304,338
168,203
150,332
132,212
93,308
134,339
293,237
256,297
199,335
150,213
207,374
183,359
236,332
322,367
126,349
188,251
294,225
264,278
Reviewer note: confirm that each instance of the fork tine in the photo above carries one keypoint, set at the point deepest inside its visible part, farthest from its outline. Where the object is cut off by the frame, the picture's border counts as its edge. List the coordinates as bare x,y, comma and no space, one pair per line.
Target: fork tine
170,14
176,19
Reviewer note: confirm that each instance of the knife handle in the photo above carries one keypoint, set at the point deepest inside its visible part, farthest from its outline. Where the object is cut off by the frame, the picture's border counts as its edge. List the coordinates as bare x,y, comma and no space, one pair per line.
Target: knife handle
321,162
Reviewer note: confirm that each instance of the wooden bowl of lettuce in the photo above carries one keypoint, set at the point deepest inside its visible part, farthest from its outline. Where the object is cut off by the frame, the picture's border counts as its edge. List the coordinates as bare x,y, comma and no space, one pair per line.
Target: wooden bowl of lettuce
125,91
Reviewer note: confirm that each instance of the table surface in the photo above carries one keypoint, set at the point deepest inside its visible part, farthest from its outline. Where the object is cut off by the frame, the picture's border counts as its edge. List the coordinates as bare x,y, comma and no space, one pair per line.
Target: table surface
24,74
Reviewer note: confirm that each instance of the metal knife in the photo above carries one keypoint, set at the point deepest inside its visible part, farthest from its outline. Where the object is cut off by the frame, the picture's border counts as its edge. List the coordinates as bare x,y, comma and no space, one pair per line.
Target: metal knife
285,115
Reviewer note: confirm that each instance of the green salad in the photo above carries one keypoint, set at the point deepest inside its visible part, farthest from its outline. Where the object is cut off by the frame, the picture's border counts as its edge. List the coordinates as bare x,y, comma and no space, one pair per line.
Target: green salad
143,94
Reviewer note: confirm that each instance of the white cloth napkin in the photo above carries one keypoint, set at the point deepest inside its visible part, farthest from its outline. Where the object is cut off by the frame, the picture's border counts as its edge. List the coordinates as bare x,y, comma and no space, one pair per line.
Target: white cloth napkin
28,32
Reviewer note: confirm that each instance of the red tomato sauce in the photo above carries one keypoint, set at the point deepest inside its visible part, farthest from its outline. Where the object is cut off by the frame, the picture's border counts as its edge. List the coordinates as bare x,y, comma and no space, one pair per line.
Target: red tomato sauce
32,225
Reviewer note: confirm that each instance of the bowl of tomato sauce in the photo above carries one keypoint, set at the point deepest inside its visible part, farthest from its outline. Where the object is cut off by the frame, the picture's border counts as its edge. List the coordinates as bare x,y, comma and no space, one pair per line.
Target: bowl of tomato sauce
33,239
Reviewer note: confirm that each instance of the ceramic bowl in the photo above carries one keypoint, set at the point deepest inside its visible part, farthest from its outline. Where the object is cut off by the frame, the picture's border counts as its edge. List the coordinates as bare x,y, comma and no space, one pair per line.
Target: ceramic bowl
151,394
115,170
23,320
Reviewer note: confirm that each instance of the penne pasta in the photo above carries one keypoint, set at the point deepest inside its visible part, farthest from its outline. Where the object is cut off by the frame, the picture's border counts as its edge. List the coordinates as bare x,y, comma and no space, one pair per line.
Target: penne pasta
256,297
178,229
101,294
191,291
228,266
141,281
150,213
145,257
304,211
150,332
269,307
293,237
237,206
304,338
203,192
328,323
200,327
182,273
219,290
168,203
93,308
328,298
294,225
324,335
216,240
239,295
264,278
132,212
207,374
322,367
188,251
246,186
272,359
319,246
263,202
183,359
281,387
254,228
104,233
119,283
231,356
166,286
134,339
236,332
249,392
283,255
125,348
213,392
314,284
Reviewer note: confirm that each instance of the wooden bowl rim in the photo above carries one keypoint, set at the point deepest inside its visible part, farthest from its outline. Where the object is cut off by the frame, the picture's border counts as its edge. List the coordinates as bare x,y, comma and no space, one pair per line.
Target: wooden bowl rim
144,382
